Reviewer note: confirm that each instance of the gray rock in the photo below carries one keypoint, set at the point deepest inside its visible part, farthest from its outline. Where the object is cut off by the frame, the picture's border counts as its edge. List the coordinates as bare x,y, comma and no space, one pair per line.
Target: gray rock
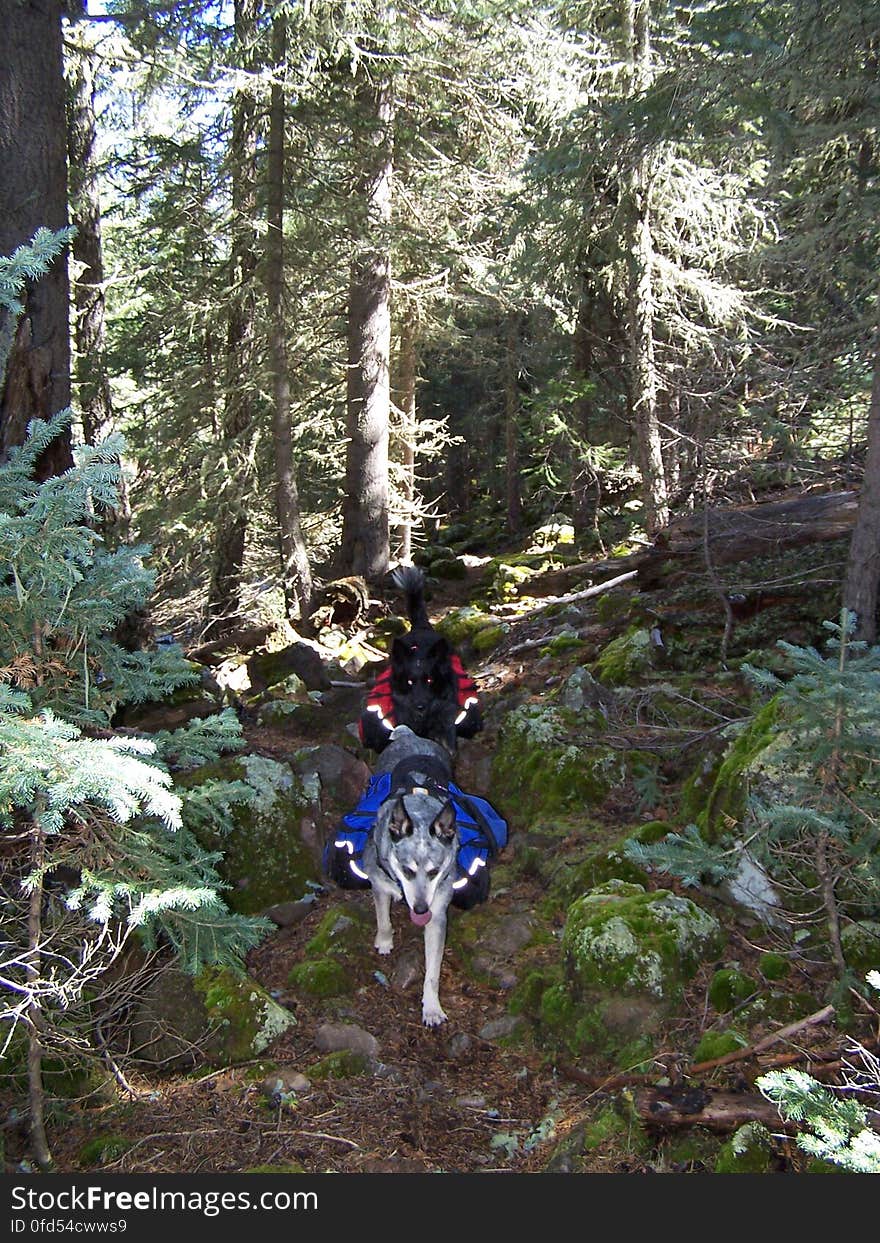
471,1102
512,934
286,914
284,1081
459,1045
408,969
342,775
497,1029
582,692
331,1037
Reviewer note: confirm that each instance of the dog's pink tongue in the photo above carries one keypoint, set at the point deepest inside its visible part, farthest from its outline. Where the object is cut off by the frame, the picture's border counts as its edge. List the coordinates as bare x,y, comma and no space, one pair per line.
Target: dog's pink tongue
420,920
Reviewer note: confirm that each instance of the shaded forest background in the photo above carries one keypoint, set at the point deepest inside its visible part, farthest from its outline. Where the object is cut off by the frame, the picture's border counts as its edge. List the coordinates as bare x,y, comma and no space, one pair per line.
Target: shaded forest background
342,272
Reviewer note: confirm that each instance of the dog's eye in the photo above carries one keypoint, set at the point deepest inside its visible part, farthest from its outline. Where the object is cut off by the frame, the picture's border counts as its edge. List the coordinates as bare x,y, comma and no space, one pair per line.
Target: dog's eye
411,871
432,872
409,681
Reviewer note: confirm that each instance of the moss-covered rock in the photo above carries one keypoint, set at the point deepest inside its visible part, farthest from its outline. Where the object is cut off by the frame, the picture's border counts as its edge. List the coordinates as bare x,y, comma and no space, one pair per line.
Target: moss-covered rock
726,787
342,1064
449,568
562,643
487,639
265,860
539,757
626,659
627,954
321,977
342,933
462,627
729,987
748,1151
598,867
244,1018
773,966
622,936
508,579
217,1016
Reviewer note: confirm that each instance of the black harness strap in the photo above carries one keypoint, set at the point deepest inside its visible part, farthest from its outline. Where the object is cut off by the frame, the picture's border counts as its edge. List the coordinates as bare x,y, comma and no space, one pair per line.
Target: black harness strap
435,772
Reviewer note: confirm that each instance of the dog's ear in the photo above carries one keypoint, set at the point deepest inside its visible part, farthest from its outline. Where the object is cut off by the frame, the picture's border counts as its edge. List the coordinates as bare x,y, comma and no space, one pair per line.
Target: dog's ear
439,651
444,826
399,825
401,649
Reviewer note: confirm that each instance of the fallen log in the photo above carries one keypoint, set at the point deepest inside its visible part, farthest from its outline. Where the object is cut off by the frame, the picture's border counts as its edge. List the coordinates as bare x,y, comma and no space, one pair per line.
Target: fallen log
340,604
744,533
673,1109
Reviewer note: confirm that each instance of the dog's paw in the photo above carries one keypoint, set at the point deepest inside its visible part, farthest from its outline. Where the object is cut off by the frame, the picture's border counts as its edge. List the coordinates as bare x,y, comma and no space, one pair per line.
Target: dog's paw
384,945
433,1016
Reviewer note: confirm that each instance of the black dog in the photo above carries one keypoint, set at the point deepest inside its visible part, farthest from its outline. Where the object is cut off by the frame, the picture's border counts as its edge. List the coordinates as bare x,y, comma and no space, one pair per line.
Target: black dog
425,686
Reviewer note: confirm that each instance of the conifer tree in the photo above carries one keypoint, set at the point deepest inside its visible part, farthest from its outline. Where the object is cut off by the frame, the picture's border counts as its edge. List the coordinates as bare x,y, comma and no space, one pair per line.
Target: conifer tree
93,811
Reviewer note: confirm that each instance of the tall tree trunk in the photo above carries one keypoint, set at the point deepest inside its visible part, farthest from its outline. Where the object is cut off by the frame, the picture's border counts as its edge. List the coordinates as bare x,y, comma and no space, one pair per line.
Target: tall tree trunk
33,194
90,364
511,426
863,567
407,388
365,536
296,575
585,487
637,15
231,523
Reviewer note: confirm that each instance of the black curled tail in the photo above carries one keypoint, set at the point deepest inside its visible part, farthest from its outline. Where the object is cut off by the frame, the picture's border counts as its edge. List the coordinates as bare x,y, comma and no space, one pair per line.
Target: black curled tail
411,581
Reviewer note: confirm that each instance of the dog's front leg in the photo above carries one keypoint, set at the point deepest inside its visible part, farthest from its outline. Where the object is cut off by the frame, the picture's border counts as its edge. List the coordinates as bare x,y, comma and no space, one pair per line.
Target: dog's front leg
384,942
435,940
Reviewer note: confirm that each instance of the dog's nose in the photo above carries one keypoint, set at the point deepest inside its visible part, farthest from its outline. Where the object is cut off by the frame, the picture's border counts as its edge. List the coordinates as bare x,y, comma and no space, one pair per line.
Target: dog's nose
420,908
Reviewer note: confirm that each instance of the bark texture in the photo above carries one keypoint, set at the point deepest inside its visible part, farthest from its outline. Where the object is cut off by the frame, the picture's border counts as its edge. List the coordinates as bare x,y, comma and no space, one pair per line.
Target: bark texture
236,460
365,534
863,566
295,572
33,194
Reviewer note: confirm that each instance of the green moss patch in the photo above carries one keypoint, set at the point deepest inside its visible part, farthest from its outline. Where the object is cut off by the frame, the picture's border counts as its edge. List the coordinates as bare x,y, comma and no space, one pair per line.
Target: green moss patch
343,1064
626,659
243,1017
725,805
322,977
104,1149
718,1044
539,758
729,988
773,966
265,860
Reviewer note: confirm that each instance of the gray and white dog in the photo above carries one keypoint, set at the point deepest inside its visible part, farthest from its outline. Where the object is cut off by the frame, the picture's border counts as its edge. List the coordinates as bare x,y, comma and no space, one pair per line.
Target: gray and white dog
411,852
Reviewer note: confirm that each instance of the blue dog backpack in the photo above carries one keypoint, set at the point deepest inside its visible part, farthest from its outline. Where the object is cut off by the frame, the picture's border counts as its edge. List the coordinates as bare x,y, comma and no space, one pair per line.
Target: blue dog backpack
482,833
